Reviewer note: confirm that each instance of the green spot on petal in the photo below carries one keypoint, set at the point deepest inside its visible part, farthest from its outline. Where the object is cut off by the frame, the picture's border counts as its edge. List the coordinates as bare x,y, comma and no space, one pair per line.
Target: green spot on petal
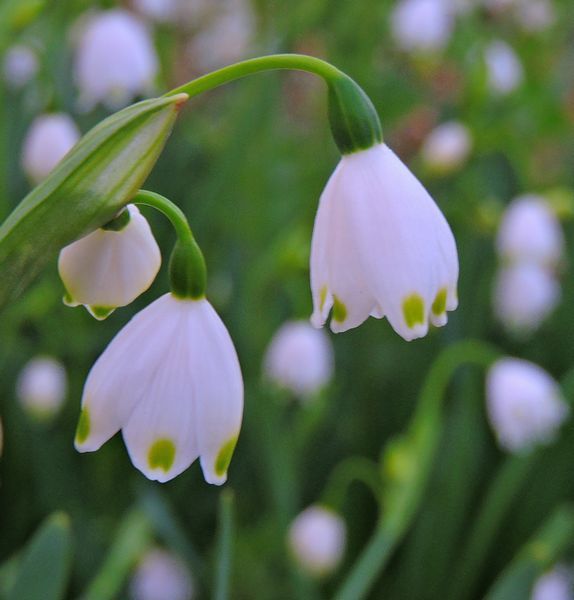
161,455
100,312
68,300
339,310
439,305
224,457
322,297
414,310
83,428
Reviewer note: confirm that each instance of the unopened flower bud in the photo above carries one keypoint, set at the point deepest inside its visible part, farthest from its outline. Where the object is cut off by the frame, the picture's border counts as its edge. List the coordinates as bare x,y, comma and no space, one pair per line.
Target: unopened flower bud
20,66
554,585
447,147
505,71
48,140
317,540
41,387
299,358
525,405
161,576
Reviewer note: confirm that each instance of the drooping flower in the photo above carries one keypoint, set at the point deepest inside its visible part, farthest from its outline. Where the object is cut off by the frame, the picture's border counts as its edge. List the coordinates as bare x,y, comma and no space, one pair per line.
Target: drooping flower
505,71
115,60
299,358
530,232
447,147
161,575
42,387
110,267
20,66
171,381
49,139
317,539
554,585
422,25
524,295
381,247
524,404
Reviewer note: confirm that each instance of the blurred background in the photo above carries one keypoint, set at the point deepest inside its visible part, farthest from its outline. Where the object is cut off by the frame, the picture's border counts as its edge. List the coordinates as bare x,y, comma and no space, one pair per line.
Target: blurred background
477,97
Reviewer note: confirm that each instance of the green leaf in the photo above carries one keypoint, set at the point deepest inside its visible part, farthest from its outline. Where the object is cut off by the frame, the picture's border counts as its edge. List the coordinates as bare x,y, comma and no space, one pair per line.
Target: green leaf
45,568
87,189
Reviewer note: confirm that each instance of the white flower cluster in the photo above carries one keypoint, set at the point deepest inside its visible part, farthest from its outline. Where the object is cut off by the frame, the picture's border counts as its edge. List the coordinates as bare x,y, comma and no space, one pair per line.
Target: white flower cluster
530,246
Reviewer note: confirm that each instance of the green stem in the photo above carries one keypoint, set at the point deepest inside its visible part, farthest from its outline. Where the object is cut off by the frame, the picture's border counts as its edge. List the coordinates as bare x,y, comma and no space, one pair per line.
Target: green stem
187,266
348,471
297,62
408,462
224,546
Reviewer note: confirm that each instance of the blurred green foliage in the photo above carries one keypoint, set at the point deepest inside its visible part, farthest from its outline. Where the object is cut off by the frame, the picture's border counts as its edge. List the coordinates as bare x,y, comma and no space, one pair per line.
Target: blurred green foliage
247,165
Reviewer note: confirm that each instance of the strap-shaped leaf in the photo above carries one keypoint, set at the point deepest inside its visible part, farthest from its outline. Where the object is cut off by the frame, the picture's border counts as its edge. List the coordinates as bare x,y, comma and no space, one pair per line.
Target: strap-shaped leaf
45,568
92,183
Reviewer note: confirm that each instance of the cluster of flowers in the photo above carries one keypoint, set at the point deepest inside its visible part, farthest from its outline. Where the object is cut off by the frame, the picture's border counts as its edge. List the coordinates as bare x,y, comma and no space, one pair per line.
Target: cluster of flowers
530,247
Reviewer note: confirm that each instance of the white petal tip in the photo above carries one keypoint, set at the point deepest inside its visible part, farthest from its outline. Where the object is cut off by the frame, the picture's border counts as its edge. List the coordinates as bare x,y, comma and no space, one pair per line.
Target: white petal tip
317,320
100,313
439,320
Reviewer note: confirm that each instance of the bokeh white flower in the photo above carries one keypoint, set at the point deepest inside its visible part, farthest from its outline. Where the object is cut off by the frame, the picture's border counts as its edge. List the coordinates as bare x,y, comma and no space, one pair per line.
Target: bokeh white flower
317,539
554,585
504,69
447,147
20,66
49,138
42,386
525,405
115,60
535,15
381,247
524,295
162,11
530,232
171,381
109,268
422,25
299,358
161,575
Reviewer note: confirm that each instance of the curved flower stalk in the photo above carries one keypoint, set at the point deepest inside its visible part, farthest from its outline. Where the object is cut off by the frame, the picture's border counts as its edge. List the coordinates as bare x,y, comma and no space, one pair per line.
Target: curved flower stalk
111,266
170,379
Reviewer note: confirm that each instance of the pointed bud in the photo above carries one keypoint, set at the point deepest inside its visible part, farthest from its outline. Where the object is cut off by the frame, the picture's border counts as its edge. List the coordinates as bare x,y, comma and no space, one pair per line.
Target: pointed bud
88,188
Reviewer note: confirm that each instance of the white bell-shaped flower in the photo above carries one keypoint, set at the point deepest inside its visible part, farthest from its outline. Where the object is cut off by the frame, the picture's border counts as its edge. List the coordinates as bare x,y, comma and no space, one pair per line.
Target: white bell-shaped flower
422,25
524,404
556,584
504,69
20,66
530,232
317,539
171,381
447,147
535,15
115,59
42,386
49,139
299,358
161,576
109,268
524,295
381,247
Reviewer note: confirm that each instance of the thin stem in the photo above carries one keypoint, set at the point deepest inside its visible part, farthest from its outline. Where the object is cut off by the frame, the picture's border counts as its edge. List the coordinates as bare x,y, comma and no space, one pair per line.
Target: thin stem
408,462
224,546
348,471
297,62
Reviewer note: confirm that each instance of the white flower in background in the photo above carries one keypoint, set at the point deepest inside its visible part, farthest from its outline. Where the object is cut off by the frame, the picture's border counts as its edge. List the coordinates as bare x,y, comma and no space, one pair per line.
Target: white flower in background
224,38
115,60
171,380
42,387
48,140
381,247
524,295
554,585
317,539
525,405
20,66
422,25
161,576
108,268
447,147
299,358
504,69
162,11
535,15
530,232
